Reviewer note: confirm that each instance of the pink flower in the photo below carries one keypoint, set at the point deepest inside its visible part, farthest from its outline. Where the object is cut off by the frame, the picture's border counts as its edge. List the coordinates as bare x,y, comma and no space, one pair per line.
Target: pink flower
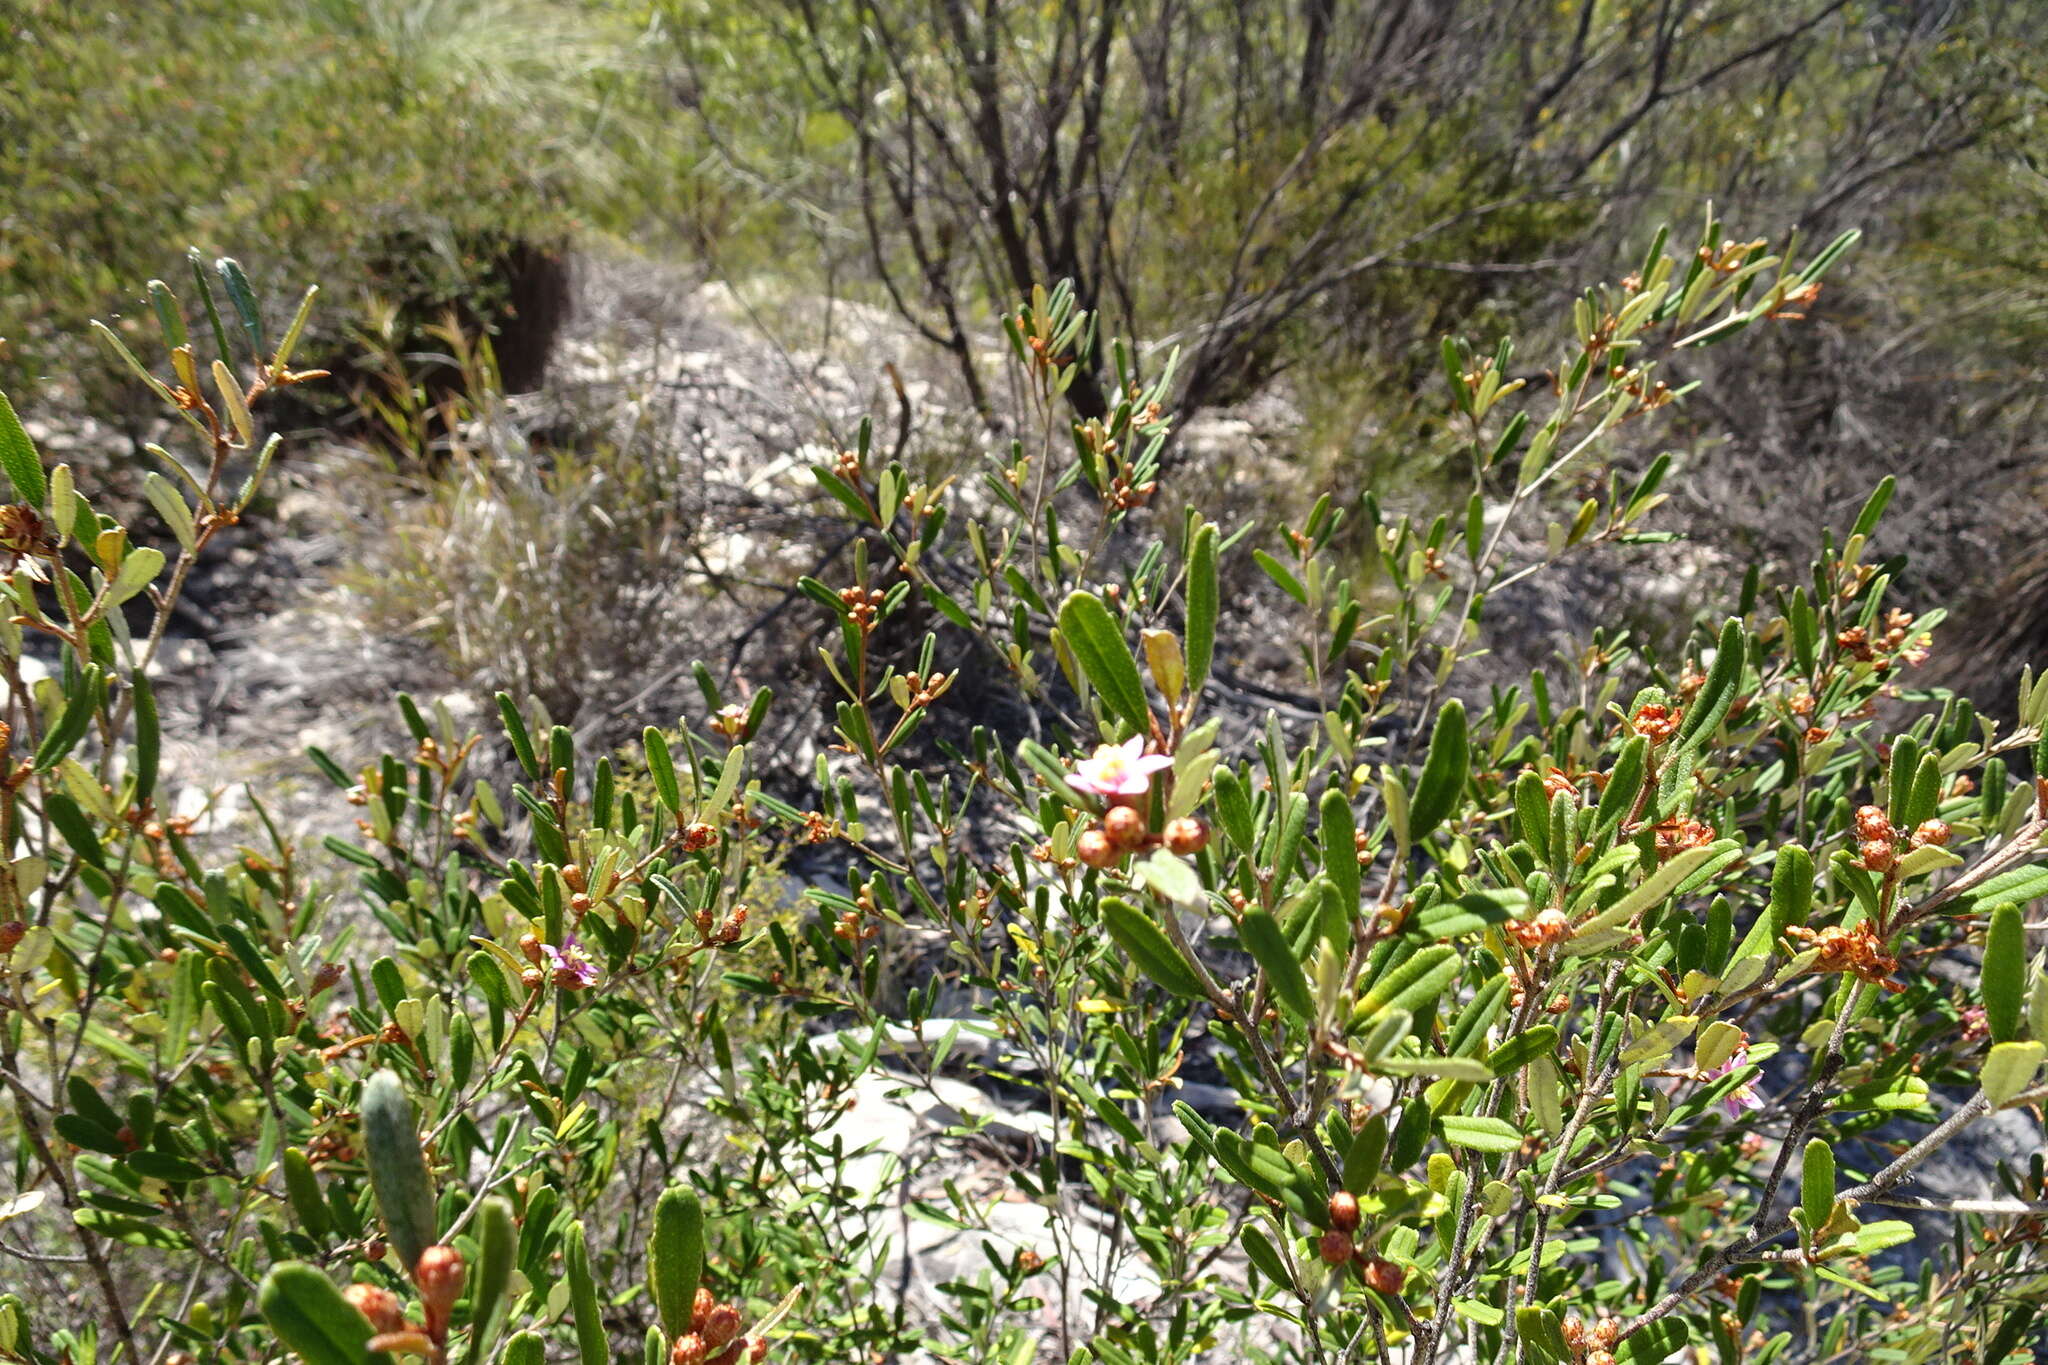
572,968
1743,1098
1119,769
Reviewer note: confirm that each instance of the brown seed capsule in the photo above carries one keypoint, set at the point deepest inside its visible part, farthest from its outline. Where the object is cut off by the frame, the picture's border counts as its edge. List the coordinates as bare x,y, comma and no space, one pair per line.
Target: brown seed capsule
1336,1246
688,1350
1934,832
1186,836
326,977
1606,1332
533,978
380,1306
721,1325
757,1349
1344,1211
700,1308
1877,854
1095,849
373,1250
529,948
1384,1276
1125,827
11,933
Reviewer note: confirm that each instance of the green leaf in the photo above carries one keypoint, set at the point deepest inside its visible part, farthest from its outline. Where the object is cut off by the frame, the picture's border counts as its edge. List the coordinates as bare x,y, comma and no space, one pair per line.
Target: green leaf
675,1256
1481,1134
1660,1041
525,1349
1443,772
302,1187
1149,947
1623,782
1880,496
1202,607
1540,1328
1469,914
1817,1184
244,300
1105,658
397,1167
148,736
1525,1047
137,572
662,770
515,730
498,1247
18,458
1710,707
583,1301
1259,1251
2009,1069
311,1317
2004,981
1265,940
1413,985
1281,575
1872,1238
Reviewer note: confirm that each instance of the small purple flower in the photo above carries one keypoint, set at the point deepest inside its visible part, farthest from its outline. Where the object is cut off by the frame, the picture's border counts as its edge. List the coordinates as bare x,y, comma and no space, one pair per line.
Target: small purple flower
1743,1098
571,966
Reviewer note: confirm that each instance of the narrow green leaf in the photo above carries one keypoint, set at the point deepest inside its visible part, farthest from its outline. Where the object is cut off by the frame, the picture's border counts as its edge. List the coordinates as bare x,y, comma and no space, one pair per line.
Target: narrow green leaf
1149,948
397,1167
662,770
311,1317
1481,1134
498,1247
583,1300
1817,1184
2004,981
675,1256
1105,658
18,458
1202,600
1264,939
1443,772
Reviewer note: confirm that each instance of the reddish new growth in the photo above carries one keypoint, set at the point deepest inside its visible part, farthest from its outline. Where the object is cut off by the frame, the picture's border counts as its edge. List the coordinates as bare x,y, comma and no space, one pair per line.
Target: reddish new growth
1657,723
1678,834
1858,951
1547,928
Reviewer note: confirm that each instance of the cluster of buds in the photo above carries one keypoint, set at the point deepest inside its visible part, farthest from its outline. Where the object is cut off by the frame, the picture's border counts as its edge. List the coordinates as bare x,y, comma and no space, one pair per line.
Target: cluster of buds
855,927
1858,951
1142,417
721,935
1124,495
1656,723
846,464
915,690
1730,257
730,721
1339,1246
438,1276
1518,996
1679,834
1123,831
861,605
1593,1345
698,836
714,1336
1546,929
819,828
1877,838
1557,782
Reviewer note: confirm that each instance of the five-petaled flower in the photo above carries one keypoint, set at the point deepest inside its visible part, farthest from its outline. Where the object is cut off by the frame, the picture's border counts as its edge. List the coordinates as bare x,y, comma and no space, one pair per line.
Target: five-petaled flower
1119,770
572,968
1742,1098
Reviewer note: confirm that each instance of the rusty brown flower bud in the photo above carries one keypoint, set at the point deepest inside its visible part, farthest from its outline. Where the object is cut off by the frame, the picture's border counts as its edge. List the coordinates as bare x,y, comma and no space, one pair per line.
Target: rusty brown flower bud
1336,1246
11,933
1383,1276
721,1325
1877,854
1186,836
688,1350
700,1308
1344,1211
439,1274
529,948
1125,827
326,977
380,1306
1934,832
1095,849
533,978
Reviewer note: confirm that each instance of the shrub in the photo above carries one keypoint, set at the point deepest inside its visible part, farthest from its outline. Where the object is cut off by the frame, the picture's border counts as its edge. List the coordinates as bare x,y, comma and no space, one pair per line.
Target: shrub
1588,1018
